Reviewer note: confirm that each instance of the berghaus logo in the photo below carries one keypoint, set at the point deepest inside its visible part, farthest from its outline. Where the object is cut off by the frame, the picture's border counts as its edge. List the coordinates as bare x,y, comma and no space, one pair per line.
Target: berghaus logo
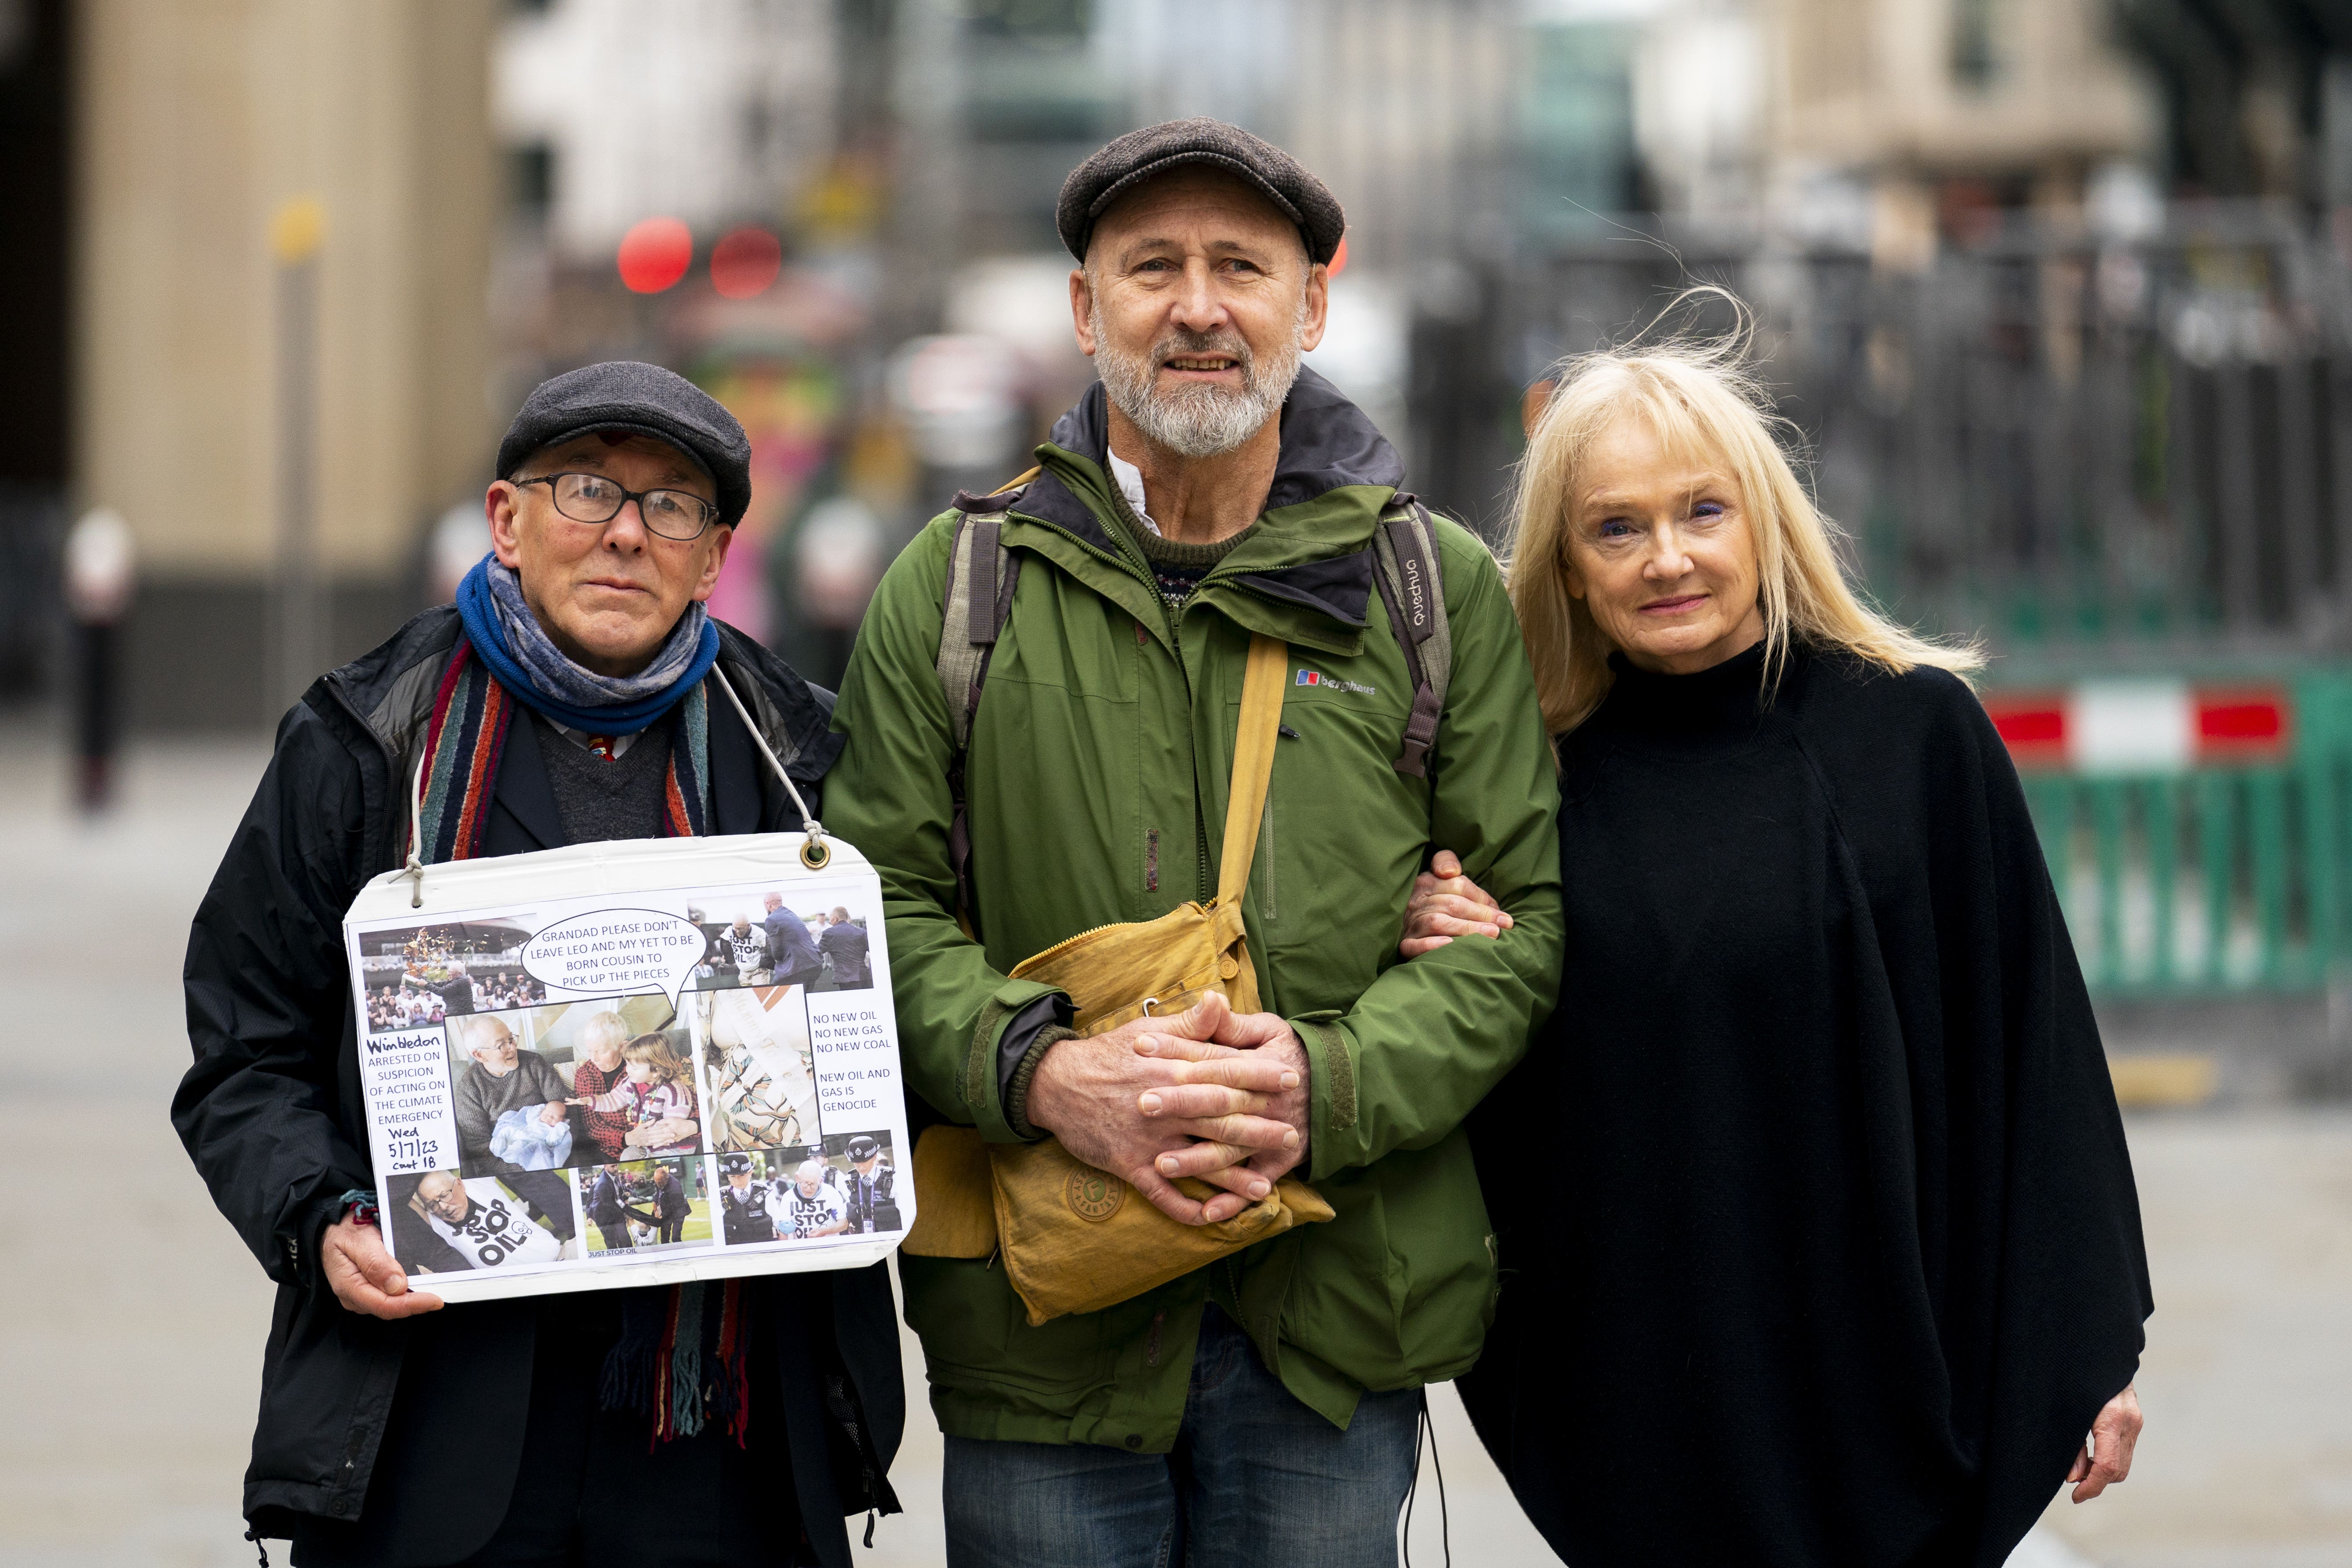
1316,677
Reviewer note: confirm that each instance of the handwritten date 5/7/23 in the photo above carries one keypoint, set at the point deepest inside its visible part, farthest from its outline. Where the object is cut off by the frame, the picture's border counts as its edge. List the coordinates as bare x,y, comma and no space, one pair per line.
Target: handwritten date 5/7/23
418,1149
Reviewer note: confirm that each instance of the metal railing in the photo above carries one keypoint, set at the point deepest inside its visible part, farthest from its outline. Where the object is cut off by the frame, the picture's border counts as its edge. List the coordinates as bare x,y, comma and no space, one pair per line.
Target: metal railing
2091,449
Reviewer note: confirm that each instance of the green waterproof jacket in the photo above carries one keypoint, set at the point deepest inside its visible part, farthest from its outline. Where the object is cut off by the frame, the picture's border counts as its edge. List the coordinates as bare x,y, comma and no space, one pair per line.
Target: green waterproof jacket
1096,782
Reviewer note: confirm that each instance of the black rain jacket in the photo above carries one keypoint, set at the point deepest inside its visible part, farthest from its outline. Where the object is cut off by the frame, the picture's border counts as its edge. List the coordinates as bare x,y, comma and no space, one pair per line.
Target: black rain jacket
273,1116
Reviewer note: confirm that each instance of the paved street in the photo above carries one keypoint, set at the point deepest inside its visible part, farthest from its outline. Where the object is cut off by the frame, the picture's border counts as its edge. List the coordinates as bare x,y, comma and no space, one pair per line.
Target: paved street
131,1356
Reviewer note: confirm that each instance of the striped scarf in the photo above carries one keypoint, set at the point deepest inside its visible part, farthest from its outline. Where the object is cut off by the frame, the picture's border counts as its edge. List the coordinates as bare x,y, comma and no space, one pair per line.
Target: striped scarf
668,1338
467,737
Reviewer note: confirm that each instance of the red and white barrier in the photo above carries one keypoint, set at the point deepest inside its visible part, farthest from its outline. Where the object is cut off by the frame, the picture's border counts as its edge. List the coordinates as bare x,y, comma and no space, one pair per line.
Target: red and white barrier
2143,726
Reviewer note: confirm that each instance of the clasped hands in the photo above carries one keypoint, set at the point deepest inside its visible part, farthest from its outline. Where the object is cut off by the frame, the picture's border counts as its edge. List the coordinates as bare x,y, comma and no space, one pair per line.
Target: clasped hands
1207,1092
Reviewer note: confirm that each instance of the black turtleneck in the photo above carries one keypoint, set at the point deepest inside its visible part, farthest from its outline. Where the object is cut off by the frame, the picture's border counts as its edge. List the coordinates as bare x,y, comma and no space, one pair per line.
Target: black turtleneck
1818,1228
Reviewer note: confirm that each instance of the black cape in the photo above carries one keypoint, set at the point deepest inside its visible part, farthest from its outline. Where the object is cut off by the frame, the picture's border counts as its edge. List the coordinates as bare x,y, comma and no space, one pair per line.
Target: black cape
1818,1230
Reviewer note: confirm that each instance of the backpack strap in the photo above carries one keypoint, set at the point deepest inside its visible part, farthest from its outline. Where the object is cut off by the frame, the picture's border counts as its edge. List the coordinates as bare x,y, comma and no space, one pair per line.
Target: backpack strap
1413,587
982,574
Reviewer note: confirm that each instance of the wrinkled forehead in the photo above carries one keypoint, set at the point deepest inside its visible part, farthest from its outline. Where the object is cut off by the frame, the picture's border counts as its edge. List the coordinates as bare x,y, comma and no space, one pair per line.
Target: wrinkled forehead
600,452
1194,202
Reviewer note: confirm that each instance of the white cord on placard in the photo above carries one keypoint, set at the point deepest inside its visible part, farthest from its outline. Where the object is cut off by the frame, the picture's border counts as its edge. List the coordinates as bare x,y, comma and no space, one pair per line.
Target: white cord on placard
416,869
813,854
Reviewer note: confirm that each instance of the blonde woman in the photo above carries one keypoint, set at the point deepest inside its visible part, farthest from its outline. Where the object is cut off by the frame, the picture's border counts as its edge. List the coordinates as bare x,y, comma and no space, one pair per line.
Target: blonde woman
597,1086
1818,1230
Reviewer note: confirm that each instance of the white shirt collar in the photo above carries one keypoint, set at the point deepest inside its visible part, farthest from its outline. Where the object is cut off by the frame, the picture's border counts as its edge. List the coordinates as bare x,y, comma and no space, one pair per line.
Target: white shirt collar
1129,480
579,738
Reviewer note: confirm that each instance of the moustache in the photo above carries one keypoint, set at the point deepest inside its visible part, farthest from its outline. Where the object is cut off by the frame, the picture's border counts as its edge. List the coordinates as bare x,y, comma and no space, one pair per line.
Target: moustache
1183,345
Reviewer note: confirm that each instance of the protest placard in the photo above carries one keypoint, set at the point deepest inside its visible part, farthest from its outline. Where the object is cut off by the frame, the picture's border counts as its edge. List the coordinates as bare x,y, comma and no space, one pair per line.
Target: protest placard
631,1062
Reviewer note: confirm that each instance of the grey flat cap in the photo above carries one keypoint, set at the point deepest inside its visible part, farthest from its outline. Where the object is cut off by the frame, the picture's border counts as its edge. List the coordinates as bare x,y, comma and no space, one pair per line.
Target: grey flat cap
1137,156
647,400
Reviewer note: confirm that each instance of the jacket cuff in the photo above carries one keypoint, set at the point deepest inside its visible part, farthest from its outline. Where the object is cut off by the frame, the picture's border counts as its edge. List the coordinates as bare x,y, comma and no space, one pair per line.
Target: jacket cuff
1330,1091
304,1248
1020,1037
1008,1027
1024,1072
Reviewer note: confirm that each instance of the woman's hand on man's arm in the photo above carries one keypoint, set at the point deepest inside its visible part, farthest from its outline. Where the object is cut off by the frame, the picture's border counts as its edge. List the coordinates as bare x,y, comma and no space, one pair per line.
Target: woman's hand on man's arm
1446,904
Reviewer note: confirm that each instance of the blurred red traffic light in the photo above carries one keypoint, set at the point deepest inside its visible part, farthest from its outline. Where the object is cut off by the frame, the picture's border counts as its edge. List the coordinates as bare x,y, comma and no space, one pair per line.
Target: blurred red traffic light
656,254
745,262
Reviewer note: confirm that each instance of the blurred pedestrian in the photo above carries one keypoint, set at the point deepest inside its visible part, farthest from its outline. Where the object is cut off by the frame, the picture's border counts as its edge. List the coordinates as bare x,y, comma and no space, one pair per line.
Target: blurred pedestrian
100,578
1211,508
1820,1237
575,681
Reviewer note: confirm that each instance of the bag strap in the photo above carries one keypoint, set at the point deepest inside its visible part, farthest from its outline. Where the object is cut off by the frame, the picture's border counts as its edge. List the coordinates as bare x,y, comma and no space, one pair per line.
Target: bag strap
1412,589
1254,743
982,575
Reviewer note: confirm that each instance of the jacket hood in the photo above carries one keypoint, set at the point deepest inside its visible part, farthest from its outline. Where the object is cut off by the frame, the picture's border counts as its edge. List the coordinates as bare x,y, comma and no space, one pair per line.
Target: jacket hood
1333,476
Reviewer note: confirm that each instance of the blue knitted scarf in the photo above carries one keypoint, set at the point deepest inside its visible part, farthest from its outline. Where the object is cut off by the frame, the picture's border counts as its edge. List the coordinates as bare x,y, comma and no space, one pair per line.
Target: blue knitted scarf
508,637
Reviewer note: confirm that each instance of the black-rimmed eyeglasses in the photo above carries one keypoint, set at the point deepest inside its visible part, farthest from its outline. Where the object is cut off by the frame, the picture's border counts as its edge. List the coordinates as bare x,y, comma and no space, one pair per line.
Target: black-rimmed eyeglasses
592,498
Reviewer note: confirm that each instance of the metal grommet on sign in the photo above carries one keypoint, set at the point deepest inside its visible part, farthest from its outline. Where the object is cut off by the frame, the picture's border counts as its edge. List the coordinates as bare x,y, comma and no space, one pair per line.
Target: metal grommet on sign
816,855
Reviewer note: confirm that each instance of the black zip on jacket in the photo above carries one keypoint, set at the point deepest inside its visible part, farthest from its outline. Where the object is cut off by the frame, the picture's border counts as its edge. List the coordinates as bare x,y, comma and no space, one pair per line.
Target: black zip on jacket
273,1115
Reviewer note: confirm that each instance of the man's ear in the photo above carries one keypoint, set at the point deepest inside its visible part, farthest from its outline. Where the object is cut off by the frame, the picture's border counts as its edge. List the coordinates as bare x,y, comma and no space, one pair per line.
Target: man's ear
1082,300
1318,307
506,536
724,537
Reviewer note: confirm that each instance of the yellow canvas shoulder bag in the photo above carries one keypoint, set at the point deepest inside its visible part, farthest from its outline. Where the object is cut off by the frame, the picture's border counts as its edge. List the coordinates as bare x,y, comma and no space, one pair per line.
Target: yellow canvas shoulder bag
1074,1239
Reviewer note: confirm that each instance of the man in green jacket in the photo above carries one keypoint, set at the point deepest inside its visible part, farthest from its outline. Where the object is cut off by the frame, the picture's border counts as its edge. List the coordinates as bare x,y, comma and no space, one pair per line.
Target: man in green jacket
1262,1409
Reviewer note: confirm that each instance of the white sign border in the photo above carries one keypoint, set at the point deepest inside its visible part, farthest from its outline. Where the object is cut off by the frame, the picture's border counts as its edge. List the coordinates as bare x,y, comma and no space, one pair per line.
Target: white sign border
455,890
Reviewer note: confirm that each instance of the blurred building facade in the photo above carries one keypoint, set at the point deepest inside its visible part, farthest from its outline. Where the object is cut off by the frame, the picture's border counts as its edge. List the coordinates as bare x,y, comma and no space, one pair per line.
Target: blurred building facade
194,128
1970,104
36,290
1965,225
711,112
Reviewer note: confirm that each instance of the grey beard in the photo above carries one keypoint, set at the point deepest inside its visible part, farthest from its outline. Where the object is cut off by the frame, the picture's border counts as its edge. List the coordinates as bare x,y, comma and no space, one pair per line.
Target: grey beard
1197,421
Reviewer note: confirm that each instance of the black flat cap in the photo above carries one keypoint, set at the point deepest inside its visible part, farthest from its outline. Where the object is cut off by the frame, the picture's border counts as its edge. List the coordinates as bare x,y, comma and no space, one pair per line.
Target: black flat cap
1137,156
647,400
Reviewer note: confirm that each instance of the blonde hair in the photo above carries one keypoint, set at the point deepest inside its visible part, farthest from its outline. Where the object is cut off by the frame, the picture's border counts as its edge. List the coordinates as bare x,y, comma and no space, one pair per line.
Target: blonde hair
655,1050
1700,397
603,1031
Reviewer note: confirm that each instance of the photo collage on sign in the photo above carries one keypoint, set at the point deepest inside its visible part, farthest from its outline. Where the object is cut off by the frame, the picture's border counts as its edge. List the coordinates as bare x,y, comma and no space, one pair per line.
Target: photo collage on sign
756,940
605,1126
418,977
843,1185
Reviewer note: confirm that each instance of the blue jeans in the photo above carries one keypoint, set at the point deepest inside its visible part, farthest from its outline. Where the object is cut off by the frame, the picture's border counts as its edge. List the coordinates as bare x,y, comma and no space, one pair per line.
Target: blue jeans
1256,1478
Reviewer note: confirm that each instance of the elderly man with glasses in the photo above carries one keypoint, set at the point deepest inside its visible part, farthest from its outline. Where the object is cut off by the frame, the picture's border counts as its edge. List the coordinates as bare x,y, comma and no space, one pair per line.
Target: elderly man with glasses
564,698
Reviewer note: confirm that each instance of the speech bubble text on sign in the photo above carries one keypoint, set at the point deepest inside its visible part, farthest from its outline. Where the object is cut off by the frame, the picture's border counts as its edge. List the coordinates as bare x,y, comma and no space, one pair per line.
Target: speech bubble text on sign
612,951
